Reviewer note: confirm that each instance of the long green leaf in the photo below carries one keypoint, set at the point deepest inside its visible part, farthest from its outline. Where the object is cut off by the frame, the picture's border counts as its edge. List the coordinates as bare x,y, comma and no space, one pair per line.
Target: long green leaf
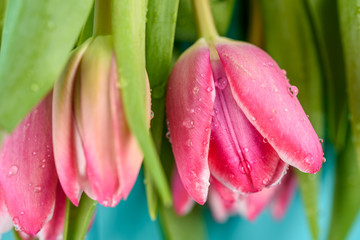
324,15
160,32
77,219
222,10
347,195
349,13
3,7
290,40
38,36
128,24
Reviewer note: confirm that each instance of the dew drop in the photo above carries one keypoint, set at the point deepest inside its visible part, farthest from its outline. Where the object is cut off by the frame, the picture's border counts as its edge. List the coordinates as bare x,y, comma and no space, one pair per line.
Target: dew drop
253,118
232,176
284,72
16,220
13,170
202,75
206,129
209,89
43,166
221,83
286,110
271,64
324,159
22,213
276,90
37,189
105,203
321,140
265,181
309,158
188,123
246,149
293,91
189,143
151,114
265,140
307,116
272,119
195,90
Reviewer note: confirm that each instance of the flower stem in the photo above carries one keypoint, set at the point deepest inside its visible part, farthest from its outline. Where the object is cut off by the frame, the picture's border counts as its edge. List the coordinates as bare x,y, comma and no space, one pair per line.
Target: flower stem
204,19
102,17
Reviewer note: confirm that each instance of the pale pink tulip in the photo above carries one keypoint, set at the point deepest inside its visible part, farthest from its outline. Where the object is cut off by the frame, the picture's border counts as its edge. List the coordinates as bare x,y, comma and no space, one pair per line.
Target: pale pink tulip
233,114
28,177
94,149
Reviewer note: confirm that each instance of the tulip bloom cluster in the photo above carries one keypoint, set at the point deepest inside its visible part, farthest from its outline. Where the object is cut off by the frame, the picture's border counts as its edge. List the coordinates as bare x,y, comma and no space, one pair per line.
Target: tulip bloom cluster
233,115
77,134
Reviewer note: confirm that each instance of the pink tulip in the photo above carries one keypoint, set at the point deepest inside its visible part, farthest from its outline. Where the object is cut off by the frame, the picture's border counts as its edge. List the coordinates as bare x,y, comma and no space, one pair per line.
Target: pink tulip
94,149
5,219
233,114
28,178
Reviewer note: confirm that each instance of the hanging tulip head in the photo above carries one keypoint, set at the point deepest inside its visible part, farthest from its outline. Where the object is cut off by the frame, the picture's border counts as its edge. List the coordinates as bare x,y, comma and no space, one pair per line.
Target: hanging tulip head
232,112
94,149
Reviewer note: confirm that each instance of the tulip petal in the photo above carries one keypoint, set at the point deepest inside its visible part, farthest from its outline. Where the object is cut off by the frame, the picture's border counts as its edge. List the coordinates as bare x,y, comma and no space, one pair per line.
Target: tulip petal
228,196
183,203
5,219
239,157
53,229
63,130
263,92
94,120
189,103
28,177
257,202
128,153
284,194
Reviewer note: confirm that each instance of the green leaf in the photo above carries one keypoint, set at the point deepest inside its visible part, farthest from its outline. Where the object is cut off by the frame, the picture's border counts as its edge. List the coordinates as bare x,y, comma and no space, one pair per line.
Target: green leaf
290,40
222,11
37,39
128,24
324,15
346,203
160,32
3,7
349,13
189,227
77,219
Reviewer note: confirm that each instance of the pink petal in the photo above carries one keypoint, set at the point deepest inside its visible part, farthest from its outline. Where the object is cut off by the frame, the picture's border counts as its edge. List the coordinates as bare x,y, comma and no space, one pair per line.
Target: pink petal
239,157
5,219
183,203
285,193
228,196
262,92
63,128
128,153
94,121
219,211
257,202
189,103
27,171
53,229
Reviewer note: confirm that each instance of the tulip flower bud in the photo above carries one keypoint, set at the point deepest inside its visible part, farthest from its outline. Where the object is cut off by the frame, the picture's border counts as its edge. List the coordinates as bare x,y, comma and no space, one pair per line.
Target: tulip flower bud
232,113
94,149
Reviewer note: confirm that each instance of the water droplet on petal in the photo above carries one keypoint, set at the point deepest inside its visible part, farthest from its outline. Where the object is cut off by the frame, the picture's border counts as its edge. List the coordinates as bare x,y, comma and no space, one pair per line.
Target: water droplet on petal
221,83
151,114
43,166
253,118
309,158
37,189
195,90
293,91
321,140
324,159
284,72
188,123
265,140
34,153
286,110
246,149
189,143
22,213
16,220
13,170
209,89
202,75
265,181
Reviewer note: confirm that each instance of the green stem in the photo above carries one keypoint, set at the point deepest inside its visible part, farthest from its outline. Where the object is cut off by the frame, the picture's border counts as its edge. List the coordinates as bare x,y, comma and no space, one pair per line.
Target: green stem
204,19
102,17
